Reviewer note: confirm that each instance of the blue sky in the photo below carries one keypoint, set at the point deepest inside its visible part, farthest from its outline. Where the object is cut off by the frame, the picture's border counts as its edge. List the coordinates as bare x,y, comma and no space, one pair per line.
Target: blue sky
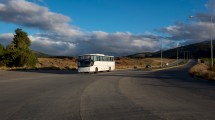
116,27
135,16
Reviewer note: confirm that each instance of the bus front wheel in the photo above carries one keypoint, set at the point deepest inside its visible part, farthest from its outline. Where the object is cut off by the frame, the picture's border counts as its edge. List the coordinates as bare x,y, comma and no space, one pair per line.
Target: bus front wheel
109,69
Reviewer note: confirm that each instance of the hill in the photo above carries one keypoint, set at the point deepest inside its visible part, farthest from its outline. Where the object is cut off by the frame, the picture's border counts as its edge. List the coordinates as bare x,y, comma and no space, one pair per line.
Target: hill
198,50
41,55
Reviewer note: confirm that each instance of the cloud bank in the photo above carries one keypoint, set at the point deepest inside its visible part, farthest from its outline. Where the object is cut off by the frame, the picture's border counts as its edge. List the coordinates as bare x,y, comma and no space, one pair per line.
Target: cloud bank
198,29
24,13
6,38
59,37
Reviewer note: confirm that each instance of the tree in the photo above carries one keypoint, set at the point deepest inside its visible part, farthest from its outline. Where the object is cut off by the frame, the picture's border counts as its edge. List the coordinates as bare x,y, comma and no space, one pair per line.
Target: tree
1,54
1,49
21,39
18,54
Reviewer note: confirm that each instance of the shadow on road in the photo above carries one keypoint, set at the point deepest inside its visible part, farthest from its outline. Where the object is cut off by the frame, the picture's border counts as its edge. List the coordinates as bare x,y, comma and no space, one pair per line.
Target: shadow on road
49,71
174,77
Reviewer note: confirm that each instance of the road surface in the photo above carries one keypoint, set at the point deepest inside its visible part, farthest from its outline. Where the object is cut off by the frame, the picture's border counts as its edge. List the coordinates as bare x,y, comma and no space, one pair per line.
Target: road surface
119,95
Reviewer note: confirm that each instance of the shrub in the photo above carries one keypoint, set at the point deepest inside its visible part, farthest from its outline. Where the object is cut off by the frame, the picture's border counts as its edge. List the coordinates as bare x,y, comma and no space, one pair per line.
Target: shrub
19,58
202,70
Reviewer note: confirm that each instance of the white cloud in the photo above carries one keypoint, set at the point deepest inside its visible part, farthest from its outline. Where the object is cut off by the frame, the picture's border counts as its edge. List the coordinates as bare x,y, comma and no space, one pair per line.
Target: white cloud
195,32
6,38
28,14
211,5
97,42
52,47
2,7
147,42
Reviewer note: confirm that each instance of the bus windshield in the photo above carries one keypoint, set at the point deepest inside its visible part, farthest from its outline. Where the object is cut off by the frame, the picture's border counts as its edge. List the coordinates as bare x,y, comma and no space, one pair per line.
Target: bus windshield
85,57
85,61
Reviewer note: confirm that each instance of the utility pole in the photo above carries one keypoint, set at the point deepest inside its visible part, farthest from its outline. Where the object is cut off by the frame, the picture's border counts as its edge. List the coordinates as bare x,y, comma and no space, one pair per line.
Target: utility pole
177,54
211,37
184,56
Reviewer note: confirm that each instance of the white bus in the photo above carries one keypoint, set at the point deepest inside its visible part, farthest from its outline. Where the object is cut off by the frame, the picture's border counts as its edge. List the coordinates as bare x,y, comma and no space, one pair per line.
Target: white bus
95,63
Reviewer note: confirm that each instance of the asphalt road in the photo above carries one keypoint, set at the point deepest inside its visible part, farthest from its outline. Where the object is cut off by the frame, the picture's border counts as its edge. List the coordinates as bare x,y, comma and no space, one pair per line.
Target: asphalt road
119,95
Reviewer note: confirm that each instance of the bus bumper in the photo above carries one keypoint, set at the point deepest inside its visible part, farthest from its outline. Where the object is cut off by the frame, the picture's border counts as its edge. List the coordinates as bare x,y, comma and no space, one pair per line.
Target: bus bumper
85,69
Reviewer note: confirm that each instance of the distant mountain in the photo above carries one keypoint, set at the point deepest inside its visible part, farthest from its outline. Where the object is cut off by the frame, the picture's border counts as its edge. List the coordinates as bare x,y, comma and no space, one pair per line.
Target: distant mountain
41,55
141,55
198,50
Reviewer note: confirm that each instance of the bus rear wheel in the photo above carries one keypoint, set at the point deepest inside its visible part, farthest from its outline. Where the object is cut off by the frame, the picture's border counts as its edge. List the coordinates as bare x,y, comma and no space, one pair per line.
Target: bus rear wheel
96,70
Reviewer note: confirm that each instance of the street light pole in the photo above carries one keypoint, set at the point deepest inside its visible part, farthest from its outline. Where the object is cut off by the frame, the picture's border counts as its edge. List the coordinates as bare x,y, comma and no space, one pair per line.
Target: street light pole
212,61
161,53
211,25
187,55
177,54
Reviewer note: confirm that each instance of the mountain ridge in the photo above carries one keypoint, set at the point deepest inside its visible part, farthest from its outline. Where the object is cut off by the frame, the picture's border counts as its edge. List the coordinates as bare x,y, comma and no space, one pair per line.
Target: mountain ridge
197,50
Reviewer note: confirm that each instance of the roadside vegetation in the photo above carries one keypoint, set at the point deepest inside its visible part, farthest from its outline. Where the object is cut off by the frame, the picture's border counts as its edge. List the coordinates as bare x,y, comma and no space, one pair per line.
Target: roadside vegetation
66,63
70,63
203,69
140,63
18,53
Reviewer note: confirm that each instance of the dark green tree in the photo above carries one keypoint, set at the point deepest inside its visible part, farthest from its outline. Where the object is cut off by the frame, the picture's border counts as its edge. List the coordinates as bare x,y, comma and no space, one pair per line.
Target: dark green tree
1,54
18,53
21,40
1,49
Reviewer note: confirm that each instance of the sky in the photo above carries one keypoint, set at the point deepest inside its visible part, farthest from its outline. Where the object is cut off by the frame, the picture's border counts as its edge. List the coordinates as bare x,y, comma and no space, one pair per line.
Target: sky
113,27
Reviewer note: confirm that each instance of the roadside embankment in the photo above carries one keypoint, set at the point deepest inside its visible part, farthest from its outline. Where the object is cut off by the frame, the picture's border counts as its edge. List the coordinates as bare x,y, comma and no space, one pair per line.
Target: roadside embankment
202,70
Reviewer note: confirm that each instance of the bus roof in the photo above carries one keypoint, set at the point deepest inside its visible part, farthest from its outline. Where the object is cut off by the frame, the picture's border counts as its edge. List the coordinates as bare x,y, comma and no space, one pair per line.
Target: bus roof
96,55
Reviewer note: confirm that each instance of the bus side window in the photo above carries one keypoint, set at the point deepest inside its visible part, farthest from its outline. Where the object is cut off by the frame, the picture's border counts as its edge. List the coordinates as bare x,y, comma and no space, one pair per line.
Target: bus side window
91,57
109,58
95,58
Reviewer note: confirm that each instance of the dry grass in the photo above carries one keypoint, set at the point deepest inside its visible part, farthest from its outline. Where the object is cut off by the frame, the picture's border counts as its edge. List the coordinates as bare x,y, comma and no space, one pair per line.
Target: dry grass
56,63
121,63
202,70
127,63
